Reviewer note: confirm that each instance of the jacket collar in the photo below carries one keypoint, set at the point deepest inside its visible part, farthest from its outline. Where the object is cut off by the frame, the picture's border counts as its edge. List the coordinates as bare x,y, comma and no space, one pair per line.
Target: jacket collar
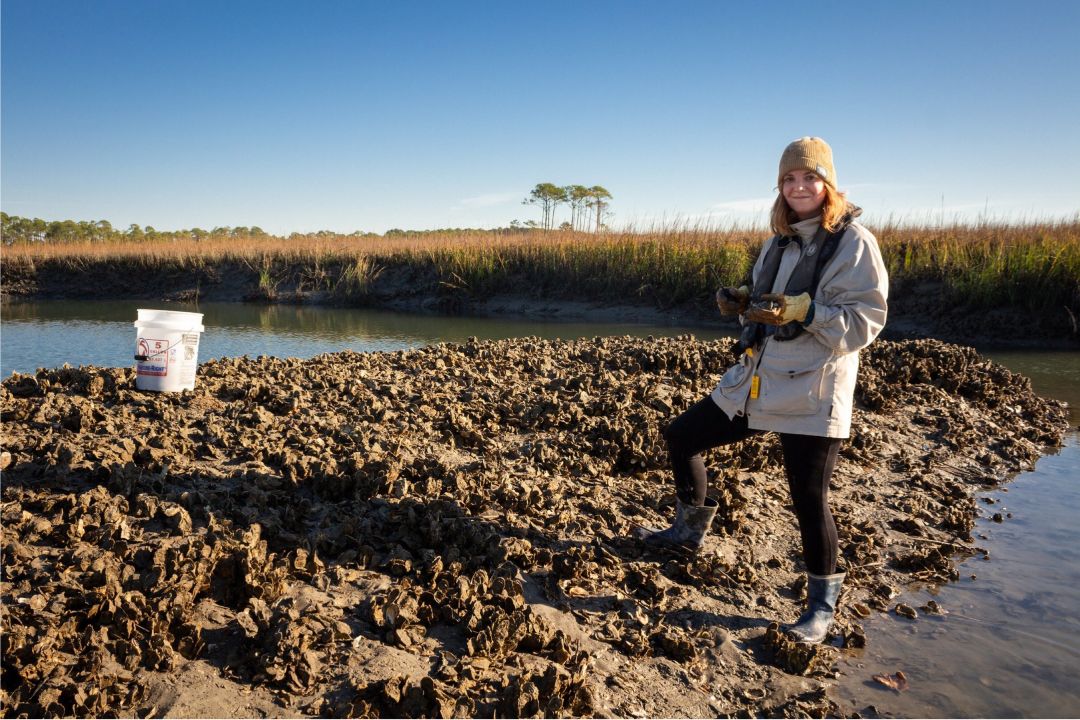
807,228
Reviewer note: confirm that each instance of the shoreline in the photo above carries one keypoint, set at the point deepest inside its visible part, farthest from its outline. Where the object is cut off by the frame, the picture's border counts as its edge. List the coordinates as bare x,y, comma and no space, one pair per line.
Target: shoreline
520,307
394,533
918,309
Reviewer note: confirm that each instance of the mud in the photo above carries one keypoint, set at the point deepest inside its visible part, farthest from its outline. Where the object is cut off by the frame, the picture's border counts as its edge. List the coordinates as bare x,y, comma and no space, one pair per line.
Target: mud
445,532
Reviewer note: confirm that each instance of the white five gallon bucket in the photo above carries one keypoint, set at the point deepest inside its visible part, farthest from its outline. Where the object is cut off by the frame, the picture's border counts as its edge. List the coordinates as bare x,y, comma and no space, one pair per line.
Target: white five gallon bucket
167,350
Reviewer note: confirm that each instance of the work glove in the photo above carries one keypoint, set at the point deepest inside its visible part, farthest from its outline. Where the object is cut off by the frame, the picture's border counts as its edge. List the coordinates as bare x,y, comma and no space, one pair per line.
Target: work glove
732,301
776,309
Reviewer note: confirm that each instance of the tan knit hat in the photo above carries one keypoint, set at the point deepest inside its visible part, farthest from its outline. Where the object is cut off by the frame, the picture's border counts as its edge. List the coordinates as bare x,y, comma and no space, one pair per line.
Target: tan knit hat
808,153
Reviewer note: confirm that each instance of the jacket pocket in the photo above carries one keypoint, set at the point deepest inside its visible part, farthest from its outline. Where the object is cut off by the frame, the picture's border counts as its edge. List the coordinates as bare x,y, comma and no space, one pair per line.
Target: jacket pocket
791,386
736,375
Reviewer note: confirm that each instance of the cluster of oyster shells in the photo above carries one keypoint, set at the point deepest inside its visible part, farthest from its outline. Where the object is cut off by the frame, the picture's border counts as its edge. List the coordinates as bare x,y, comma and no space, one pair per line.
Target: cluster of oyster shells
468,506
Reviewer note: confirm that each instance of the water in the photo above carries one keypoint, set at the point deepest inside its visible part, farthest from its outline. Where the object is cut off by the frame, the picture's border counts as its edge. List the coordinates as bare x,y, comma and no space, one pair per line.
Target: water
1007,648
51,333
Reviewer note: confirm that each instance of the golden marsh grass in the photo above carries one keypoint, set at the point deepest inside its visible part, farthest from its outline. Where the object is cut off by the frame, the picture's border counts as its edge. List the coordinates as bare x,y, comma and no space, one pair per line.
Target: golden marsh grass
1035,265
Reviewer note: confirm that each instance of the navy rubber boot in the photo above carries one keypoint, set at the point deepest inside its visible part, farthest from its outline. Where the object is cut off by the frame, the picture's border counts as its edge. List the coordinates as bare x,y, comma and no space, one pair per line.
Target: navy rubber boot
821,594
687,532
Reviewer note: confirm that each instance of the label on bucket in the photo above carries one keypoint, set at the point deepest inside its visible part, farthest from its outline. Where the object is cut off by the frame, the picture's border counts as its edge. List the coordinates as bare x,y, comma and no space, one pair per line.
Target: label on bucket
157,357
191,345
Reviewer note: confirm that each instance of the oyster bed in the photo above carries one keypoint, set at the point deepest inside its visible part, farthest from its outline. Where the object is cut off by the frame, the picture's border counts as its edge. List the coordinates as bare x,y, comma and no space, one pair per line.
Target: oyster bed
445,531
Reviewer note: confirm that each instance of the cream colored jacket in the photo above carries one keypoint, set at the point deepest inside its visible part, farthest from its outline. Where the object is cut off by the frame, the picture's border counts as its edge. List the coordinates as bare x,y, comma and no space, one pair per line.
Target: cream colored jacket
806,385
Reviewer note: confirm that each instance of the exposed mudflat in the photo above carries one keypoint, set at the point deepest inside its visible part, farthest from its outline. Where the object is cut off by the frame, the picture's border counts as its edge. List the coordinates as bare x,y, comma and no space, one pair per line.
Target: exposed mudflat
444,532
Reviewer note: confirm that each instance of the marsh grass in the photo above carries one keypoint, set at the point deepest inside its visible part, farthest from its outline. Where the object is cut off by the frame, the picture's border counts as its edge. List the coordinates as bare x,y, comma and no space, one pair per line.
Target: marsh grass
356,279
1034,266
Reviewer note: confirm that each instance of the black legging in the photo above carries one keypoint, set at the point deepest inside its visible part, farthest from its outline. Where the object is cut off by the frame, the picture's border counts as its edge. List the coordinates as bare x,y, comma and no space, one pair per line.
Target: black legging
809,461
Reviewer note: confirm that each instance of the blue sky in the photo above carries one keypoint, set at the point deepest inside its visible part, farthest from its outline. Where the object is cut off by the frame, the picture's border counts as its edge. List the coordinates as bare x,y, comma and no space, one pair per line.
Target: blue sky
299,116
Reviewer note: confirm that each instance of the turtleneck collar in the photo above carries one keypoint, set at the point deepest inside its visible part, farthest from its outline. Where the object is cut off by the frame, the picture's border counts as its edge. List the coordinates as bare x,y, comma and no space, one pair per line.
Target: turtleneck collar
807,228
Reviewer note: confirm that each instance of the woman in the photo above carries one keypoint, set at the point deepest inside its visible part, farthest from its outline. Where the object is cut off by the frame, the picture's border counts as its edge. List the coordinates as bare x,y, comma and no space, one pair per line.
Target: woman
818,297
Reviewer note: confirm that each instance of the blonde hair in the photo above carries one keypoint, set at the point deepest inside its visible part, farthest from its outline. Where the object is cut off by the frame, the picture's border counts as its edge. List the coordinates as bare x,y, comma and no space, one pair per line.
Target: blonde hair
833,211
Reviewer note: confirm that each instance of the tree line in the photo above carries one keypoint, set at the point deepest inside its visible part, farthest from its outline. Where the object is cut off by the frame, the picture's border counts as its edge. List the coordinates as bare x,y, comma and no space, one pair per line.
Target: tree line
588,209
15,230
584,202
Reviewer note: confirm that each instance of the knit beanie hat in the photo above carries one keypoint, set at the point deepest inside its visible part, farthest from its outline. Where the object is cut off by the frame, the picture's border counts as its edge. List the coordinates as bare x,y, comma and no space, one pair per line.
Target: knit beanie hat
808,153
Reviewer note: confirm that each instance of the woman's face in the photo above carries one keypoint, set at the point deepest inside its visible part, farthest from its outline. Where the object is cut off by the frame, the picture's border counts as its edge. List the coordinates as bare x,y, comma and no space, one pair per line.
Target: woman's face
804,192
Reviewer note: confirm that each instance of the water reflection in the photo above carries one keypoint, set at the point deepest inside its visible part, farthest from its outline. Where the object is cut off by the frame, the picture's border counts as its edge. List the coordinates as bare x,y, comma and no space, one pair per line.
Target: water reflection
50,333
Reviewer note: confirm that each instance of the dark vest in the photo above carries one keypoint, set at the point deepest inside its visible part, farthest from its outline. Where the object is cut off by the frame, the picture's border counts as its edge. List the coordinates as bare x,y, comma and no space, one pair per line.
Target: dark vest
804,279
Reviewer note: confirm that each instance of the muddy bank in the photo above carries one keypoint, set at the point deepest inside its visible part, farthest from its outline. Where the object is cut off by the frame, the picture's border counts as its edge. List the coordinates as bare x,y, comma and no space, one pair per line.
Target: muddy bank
918,309
444,532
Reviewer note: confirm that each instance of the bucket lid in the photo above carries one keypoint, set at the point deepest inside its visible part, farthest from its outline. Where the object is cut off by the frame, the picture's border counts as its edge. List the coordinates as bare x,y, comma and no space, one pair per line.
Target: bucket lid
170,320
169,316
